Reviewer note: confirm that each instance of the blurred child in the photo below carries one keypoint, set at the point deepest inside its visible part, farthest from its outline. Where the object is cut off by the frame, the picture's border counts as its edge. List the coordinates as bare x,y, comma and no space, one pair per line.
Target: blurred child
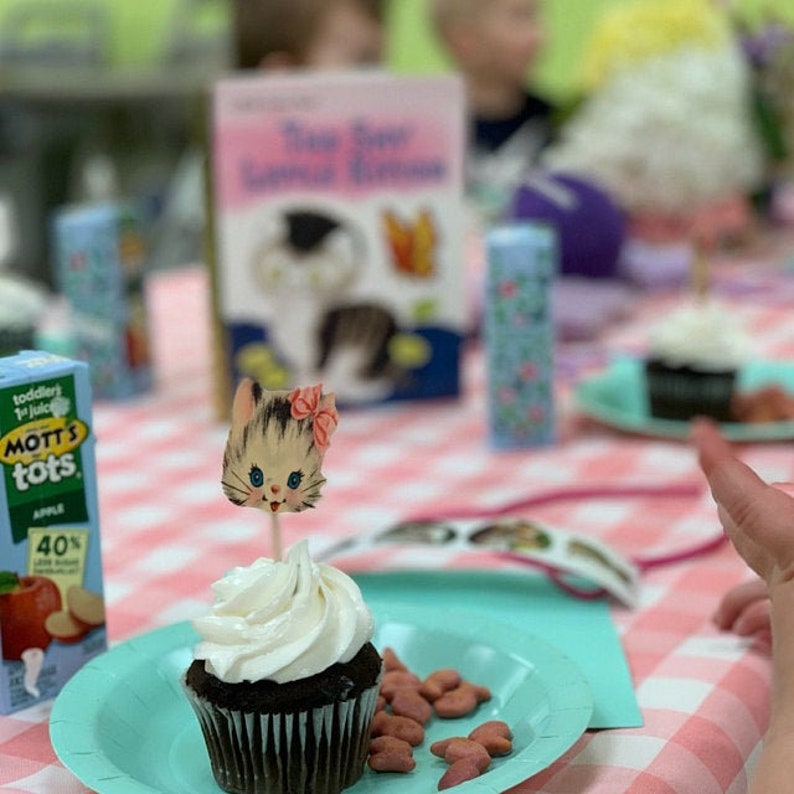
322,34
494,43
281,34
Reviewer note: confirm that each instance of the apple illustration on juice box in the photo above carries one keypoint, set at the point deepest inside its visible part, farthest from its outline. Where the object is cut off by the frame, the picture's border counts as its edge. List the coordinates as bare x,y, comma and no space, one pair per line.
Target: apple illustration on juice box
84,611
32,614
25,604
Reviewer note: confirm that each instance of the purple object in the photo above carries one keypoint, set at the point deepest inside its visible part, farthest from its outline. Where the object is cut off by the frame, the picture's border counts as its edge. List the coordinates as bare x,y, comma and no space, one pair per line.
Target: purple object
583,307
590,227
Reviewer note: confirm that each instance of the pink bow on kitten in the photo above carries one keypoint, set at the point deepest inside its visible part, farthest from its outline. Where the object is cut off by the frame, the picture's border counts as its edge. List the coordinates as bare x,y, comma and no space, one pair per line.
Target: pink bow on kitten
310,401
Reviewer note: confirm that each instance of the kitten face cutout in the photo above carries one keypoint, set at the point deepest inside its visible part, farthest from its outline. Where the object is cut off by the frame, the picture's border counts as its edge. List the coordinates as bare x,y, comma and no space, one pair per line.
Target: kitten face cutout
275,448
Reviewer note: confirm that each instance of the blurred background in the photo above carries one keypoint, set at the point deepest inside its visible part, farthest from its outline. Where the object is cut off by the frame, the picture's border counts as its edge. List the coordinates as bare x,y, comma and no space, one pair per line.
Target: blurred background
103,98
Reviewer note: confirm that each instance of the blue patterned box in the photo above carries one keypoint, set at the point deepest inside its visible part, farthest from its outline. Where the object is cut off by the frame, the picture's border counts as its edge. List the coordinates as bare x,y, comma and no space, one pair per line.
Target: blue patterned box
519,334
100,258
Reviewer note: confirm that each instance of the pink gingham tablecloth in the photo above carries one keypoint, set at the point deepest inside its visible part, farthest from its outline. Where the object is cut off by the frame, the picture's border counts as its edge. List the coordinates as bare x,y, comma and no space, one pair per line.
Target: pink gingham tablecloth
167,533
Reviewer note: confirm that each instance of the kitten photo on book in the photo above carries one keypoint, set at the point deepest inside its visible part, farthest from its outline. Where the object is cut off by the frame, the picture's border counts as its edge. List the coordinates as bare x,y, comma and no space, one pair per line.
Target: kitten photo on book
306,266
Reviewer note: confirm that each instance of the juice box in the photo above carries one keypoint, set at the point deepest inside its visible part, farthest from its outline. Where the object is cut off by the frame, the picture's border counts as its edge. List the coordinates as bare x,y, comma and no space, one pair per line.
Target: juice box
52,618
100,257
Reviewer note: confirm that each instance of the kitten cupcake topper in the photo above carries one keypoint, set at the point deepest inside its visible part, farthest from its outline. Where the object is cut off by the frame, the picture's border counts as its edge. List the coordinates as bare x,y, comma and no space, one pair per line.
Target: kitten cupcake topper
275,448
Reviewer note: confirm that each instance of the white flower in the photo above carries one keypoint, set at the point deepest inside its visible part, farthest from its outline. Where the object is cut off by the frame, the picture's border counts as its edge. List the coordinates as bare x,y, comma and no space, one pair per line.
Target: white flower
672,132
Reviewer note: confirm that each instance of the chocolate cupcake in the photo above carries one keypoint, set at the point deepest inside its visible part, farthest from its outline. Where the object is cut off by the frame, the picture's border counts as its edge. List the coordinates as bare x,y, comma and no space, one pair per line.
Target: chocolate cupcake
693,363
285,679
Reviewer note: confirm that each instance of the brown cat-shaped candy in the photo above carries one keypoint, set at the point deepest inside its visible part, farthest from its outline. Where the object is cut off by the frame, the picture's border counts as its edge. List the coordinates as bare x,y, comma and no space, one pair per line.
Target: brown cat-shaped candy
275,448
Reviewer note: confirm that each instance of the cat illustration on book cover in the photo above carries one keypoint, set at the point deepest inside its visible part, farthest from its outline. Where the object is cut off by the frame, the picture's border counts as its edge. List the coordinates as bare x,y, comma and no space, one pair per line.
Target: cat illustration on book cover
307,265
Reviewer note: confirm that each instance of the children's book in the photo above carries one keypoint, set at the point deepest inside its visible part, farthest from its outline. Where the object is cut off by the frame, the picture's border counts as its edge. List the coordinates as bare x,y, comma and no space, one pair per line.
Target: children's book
338,232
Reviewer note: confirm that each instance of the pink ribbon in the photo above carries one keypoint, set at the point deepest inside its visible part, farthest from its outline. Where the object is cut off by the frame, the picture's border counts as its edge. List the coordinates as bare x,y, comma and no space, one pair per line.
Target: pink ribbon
311,402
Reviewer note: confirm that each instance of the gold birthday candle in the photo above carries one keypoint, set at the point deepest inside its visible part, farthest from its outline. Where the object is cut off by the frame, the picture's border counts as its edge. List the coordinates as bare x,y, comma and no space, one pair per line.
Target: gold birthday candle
700,274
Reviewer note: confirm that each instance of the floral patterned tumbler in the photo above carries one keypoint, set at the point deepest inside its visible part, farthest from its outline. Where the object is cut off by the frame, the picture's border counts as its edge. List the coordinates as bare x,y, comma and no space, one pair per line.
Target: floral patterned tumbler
519,334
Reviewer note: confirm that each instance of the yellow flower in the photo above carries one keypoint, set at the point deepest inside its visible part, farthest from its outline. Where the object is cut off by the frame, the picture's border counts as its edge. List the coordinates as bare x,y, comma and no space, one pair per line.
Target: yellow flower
635,32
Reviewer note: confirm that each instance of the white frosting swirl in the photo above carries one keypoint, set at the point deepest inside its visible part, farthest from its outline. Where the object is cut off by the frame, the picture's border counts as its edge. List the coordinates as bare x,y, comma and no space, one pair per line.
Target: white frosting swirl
703,335
282,621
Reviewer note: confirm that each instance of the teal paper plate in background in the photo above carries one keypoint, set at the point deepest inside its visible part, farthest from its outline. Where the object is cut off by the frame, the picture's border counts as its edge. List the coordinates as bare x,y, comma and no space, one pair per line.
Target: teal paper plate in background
617,397
123,726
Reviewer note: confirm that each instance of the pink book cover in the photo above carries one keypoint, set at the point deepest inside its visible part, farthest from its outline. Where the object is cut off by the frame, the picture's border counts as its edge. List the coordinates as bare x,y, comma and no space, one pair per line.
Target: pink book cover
338,225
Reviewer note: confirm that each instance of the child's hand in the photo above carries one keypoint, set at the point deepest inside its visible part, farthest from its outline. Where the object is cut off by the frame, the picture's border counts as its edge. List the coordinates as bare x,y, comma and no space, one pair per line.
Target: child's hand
758,518
744,609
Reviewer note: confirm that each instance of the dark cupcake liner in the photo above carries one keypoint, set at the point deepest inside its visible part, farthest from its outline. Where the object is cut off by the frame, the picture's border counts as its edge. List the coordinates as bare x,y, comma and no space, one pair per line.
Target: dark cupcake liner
684,392
318,751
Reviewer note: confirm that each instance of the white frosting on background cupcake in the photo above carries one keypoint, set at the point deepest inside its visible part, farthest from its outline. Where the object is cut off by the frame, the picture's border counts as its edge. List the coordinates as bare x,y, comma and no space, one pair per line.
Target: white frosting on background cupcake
22,304
703,335
282,620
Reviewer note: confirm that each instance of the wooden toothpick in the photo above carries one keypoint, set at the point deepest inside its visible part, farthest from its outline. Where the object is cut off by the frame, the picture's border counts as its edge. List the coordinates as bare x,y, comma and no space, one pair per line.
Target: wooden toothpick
275,535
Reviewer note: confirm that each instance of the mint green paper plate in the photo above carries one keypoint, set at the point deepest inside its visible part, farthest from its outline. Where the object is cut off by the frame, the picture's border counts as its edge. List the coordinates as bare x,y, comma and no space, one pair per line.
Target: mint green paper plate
617,397
123,726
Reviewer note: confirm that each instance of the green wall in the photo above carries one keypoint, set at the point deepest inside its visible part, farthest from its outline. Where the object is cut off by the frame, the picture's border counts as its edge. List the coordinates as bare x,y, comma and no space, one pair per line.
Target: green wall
139,31
413,48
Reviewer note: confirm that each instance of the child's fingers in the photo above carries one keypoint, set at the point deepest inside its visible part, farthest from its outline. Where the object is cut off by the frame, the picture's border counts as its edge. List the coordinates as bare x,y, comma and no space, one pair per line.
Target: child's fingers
737,600
786,487
755,554
711,446
730,479
755,618
757,517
